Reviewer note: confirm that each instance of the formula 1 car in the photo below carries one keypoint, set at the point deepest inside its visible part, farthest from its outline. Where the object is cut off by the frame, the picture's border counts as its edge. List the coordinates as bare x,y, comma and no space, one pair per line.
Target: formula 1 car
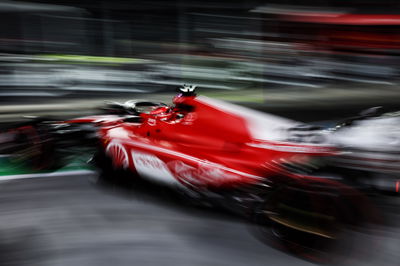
265,167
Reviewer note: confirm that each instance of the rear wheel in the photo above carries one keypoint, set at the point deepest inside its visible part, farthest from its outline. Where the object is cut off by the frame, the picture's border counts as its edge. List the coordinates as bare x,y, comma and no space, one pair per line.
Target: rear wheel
308,224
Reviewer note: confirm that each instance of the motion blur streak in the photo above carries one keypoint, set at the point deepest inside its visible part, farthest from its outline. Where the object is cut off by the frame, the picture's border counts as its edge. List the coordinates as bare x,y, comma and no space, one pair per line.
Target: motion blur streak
325,147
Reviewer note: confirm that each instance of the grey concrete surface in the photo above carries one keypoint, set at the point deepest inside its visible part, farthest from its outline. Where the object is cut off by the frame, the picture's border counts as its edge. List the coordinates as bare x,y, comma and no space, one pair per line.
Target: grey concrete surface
70,220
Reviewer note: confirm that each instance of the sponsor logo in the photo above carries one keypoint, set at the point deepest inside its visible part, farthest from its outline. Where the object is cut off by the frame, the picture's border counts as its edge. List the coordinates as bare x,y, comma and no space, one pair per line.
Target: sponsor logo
152,168
203,173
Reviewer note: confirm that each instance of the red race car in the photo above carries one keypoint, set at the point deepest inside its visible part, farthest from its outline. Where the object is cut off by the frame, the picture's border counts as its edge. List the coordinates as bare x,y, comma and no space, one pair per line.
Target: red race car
263,166
268,168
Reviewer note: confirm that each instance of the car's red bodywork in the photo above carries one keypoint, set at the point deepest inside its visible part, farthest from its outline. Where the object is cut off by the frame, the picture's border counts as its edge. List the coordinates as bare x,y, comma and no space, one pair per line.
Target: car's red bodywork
202,142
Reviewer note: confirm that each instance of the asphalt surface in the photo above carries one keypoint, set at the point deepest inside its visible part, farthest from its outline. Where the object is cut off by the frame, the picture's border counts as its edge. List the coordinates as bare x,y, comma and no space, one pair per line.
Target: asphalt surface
73,220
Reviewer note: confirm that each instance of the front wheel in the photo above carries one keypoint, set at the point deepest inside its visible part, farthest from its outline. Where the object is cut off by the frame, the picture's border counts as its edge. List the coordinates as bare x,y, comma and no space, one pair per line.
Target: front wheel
34,148
113,166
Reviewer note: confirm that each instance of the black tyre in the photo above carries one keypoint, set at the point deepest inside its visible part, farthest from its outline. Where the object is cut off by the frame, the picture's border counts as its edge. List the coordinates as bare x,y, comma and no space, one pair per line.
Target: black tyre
108,173
309,224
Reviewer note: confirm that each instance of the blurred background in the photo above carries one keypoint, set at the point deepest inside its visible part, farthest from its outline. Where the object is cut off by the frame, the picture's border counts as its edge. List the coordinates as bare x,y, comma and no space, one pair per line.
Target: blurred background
311,60
275,55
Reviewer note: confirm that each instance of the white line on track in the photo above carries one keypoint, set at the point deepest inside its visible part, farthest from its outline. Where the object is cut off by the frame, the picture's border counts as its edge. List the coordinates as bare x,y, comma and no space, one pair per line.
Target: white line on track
40,175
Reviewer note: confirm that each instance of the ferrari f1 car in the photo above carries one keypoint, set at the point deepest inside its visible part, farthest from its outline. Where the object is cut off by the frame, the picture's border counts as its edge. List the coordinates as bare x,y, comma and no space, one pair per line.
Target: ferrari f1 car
265,167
